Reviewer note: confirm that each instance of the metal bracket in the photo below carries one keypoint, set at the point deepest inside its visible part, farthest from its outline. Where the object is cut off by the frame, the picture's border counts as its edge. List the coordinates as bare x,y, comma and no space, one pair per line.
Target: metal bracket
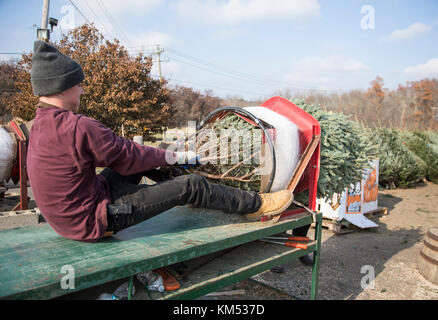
114,209
313,213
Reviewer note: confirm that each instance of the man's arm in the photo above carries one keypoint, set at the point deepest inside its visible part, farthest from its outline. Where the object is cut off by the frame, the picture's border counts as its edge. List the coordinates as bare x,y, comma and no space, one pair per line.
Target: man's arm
109,150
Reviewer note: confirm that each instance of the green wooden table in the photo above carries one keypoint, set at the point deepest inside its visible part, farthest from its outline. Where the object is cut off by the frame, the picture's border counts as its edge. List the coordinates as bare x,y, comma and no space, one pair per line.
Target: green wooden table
32,258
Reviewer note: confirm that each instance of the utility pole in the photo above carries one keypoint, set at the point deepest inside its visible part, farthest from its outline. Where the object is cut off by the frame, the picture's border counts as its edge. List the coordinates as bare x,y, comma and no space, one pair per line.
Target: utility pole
43,33
158,53
45,14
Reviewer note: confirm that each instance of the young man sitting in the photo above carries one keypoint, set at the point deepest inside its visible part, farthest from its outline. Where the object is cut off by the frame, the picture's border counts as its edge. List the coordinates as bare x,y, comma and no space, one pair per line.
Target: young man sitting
65,148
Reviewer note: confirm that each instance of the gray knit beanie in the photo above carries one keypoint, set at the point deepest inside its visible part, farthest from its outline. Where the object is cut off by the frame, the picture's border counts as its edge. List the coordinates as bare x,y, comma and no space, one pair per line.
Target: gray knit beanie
53,72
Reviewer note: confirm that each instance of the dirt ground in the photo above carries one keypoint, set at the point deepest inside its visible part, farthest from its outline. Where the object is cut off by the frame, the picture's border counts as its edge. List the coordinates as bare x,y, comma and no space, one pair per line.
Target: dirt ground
392,250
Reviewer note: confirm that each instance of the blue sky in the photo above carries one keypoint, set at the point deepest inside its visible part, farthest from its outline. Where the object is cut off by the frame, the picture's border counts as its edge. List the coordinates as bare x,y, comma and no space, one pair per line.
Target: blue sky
252,48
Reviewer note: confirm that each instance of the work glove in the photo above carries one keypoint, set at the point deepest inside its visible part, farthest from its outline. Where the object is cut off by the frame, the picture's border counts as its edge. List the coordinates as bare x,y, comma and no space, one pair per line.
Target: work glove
187,159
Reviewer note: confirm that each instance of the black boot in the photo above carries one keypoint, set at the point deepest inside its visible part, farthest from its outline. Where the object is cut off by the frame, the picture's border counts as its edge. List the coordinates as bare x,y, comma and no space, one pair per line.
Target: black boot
307,260
277,269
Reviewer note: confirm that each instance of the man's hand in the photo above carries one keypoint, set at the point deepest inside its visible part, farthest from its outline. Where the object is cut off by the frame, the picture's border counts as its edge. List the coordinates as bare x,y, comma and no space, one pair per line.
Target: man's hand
187,159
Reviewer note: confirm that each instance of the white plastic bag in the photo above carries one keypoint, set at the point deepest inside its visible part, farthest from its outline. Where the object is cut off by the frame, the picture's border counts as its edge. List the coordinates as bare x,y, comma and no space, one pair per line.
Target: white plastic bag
152,280
122,292
8,152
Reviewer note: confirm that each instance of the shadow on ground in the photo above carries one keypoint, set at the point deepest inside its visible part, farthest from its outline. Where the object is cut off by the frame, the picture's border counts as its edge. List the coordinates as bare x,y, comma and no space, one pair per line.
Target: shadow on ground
347,261
389,201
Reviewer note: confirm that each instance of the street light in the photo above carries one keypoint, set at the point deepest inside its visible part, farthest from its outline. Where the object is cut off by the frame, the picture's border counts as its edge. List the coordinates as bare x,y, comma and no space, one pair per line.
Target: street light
53,23
44,33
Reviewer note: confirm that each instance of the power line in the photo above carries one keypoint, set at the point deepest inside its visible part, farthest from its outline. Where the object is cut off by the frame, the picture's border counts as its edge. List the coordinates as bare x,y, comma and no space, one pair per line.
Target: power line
236,76
203,64
228,72
143,46
94,13
219,67
232,71
113,21
148,52
207,66
137,49
213,71
80,12
217,87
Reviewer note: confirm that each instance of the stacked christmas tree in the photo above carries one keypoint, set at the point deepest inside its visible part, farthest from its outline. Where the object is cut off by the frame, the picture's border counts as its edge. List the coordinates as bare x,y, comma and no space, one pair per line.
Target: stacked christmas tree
345,151
399,166
423,147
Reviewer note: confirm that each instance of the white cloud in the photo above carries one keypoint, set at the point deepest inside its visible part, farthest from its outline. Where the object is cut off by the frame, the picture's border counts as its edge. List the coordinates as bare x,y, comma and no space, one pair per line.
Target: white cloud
149,40
129,7
238,11
4,57
329,72
414,30
170,69
147,43
8,57
421,71
107,15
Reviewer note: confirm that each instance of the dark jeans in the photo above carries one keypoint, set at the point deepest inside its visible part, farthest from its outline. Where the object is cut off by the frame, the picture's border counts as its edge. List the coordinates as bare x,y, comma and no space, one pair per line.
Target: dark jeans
301,231
149,200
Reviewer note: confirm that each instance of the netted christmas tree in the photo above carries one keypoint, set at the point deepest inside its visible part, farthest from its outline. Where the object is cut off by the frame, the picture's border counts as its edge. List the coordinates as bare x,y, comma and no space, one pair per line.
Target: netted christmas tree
229,150
398,166
422,146
433,138
345,152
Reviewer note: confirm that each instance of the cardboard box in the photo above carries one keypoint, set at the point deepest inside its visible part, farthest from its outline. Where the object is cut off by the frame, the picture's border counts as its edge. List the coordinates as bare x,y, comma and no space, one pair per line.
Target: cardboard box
351,204
370,187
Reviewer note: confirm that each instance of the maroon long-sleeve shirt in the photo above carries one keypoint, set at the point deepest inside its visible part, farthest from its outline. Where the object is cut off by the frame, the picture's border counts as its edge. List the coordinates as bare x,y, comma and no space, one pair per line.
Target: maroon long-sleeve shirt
64,150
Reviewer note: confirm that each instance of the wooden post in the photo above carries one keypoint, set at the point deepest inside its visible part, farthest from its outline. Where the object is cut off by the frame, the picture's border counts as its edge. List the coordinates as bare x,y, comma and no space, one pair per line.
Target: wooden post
304,161
22,154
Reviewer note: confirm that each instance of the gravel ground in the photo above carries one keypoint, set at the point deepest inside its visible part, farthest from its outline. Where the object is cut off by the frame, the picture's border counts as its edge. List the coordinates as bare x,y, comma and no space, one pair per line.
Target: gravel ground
392,250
